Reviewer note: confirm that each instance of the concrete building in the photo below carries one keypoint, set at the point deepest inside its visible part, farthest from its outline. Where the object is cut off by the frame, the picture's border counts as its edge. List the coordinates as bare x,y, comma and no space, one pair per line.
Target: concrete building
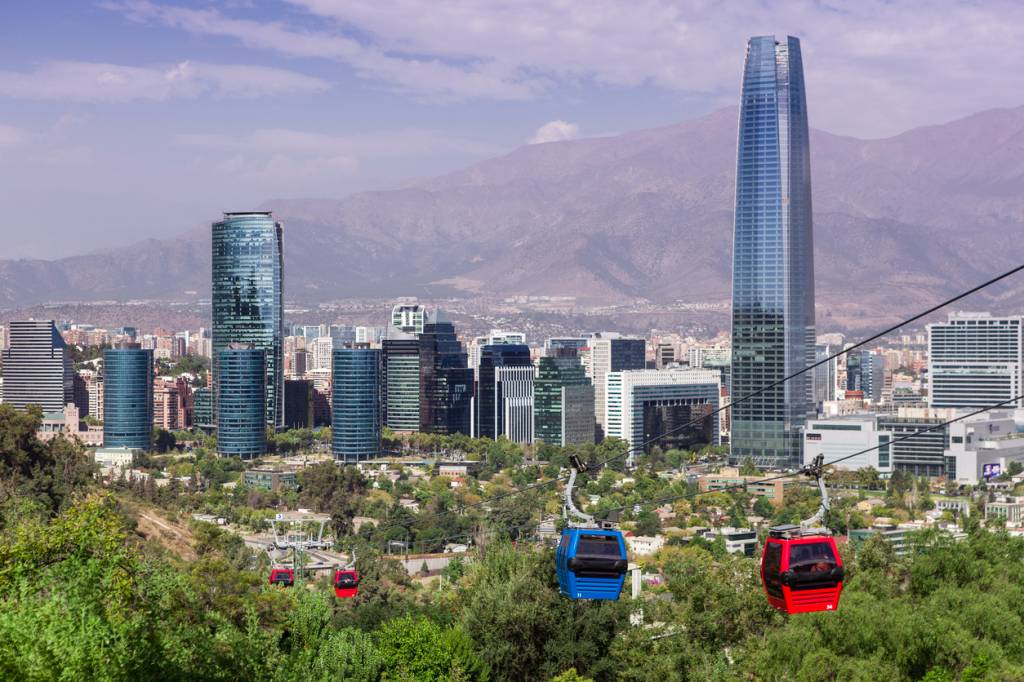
737,540
975,360
730,478
922,449
408,318
651,407
839,438
982,447
37,369
400,381
610,352
68,424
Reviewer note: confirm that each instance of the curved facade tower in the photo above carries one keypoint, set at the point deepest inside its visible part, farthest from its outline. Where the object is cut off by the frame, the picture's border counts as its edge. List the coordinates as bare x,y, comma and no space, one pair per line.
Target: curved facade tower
241,417
355,418
128,397
773,258
247,297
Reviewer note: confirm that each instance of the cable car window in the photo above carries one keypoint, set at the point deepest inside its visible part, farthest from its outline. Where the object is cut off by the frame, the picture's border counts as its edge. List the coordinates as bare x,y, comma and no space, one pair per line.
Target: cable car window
772,566
598,546
815,557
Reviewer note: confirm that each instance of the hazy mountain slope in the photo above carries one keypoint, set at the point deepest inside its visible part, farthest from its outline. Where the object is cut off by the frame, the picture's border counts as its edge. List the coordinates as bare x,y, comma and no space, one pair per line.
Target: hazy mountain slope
644,214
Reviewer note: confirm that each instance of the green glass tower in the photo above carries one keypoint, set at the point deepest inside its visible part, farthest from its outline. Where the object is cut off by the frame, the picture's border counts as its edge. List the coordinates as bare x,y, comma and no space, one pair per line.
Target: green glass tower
563,401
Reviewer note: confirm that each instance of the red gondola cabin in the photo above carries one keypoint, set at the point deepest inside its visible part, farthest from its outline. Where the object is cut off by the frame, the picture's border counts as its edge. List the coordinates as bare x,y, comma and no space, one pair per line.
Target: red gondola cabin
346,583
284,577
801,570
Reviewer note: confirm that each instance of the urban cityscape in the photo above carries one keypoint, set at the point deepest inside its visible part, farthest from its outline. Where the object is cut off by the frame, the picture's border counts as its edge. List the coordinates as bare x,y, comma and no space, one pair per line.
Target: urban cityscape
441,486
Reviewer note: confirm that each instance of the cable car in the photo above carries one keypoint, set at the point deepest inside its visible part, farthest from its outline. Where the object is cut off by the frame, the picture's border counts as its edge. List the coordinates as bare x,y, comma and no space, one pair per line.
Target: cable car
801,572
800,567
284,577
346,583
590,562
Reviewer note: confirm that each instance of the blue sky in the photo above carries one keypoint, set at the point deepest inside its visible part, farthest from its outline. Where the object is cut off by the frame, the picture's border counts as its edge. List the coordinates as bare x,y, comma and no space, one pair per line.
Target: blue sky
123,119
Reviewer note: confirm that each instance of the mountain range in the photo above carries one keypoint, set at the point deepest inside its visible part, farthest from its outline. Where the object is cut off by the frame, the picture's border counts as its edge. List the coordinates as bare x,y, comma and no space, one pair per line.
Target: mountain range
899,223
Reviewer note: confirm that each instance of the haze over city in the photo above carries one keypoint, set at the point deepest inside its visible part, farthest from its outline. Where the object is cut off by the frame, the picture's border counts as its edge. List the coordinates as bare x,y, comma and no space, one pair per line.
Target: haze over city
543,342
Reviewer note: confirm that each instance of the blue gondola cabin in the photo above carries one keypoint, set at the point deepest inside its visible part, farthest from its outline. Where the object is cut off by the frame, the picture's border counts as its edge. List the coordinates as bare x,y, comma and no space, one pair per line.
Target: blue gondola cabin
591,563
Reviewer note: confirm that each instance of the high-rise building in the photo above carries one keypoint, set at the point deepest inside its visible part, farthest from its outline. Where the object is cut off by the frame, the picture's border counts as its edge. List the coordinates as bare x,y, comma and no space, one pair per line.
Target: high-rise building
773,259
298,404
865,372
355,419
825,376
241,401
975,360
247,299
446,380
610,352
408,318
320,350
515,396
37,369
651,407
497,337
400,381
664,355
490,400
563,401
202,415
554,345
128,397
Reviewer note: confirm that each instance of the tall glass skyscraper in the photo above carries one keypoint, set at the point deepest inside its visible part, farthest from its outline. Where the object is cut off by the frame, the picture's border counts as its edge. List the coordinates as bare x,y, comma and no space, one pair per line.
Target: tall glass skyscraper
128,397
773,258
241,415
446,380
490,401
400,381
563,405
355,414
247,298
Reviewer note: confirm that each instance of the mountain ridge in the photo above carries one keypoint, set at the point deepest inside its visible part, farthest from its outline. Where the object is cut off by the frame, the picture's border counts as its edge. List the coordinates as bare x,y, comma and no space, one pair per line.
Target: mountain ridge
641,215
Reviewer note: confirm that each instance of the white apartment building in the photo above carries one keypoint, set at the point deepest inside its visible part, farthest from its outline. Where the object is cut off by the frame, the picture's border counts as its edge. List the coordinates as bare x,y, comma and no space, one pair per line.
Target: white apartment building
975,360
843,437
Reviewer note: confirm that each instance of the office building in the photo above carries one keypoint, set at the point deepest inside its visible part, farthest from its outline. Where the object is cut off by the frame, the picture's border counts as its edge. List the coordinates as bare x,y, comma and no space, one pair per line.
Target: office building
496,337
773,259
656,407
298,404
128,397
664,355
320,352
975,360
563,401
865,372
610,352
242,405
400,381
408,318
202,409
554,346
247,300
37,369
491,390
708,356
922,450
982,447
446,380
856,435
355,418
826,375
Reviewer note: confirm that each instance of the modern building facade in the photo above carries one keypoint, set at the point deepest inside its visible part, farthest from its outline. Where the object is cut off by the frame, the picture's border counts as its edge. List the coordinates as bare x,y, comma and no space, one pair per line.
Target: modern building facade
37,369
298,404
202,409
865,372
773,259
656,407
400,381
825,375
408,318
490,402
242,405
982,447
355,419
856,438
247,298
610,352
919,439
497,337
128,397
446,380
976,360
563,401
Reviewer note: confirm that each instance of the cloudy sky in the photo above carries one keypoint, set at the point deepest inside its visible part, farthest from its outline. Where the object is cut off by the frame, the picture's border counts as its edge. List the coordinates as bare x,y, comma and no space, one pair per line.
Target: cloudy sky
122,119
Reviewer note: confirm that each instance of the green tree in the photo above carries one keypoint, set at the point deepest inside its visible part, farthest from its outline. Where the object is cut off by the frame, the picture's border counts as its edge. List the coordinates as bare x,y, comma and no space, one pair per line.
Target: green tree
419,649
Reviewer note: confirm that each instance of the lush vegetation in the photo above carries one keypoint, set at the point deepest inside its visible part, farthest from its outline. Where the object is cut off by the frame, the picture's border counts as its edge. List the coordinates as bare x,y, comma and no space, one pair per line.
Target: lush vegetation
84,596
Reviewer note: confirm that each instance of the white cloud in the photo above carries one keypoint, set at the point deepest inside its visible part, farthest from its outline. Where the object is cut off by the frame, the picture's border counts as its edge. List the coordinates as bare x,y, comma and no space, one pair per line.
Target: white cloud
11,136
77,81
555,131
873,66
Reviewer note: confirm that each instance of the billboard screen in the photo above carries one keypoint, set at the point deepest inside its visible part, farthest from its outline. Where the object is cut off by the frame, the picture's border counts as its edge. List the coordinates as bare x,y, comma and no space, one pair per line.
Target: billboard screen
990,471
